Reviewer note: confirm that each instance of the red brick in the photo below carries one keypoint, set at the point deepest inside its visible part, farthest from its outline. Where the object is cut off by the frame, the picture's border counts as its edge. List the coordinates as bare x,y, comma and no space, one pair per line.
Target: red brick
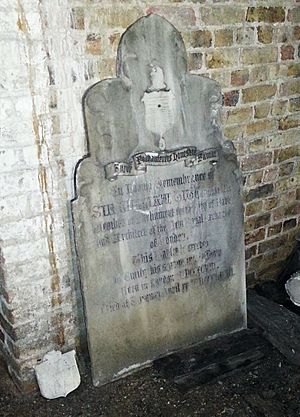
287,52
231,98
255,236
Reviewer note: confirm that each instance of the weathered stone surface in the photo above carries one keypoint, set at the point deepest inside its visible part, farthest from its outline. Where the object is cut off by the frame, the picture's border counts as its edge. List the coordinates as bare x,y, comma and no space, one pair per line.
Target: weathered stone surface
265,34
201,39
158,215
258,93
239,77
261,55
265,14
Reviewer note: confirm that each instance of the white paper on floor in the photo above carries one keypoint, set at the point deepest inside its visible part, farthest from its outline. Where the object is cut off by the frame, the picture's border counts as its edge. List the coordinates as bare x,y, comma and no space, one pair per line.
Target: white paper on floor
57,374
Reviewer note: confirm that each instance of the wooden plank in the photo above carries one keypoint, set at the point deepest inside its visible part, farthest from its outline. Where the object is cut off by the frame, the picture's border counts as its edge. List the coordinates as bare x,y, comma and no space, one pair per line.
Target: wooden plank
214,359
279,325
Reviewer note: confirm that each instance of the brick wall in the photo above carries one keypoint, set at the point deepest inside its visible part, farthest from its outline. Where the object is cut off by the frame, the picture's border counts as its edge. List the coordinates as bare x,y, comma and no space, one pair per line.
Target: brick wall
52,52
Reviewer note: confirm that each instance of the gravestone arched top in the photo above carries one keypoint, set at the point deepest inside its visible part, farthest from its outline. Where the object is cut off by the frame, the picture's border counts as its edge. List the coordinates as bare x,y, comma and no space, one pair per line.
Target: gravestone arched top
154,104
149,42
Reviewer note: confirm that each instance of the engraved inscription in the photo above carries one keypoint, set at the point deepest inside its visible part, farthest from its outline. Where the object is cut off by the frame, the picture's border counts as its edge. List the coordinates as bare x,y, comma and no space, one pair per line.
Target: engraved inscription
166,217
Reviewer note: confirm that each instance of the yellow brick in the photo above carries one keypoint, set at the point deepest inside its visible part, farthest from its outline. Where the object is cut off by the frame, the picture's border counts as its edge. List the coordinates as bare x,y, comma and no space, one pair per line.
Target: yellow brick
259,93
279,107
265,14
261,126
114,40
114,16
201,39
77,18
285,184
233,132
245,36
289,122
259,74
289,88
240,115
276,71
93,44
294,70
182,17
254,207
261,110
265,34
254,178
222,58
294,104
223,14
223,37
107,68
194,61
257,145
221,76
284,138
261,55
270,203
284,154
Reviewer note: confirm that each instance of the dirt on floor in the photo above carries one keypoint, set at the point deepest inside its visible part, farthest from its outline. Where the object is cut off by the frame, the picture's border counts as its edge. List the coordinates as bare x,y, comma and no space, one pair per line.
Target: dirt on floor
271,389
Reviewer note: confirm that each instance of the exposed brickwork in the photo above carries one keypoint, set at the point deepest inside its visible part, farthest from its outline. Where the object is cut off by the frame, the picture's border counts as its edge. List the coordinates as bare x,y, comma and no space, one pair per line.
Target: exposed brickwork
59,50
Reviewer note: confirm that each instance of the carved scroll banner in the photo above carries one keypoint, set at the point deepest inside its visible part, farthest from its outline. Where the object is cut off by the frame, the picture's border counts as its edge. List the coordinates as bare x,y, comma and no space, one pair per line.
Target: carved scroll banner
158,216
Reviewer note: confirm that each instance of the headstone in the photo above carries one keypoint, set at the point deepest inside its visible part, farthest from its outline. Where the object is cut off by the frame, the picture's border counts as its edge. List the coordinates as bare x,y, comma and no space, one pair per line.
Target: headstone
158,214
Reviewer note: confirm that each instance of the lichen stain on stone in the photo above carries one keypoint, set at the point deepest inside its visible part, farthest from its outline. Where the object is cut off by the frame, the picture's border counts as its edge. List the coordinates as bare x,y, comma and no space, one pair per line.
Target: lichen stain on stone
21,25
62,170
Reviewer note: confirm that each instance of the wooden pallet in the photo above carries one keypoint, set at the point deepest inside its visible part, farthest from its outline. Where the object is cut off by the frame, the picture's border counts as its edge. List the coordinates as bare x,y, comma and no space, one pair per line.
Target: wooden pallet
280,326
214,359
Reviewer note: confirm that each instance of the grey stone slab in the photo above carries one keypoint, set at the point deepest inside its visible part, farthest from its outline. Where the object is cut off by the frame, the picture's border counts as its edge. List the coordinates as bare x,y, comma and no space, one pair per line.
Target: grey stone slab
158,215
